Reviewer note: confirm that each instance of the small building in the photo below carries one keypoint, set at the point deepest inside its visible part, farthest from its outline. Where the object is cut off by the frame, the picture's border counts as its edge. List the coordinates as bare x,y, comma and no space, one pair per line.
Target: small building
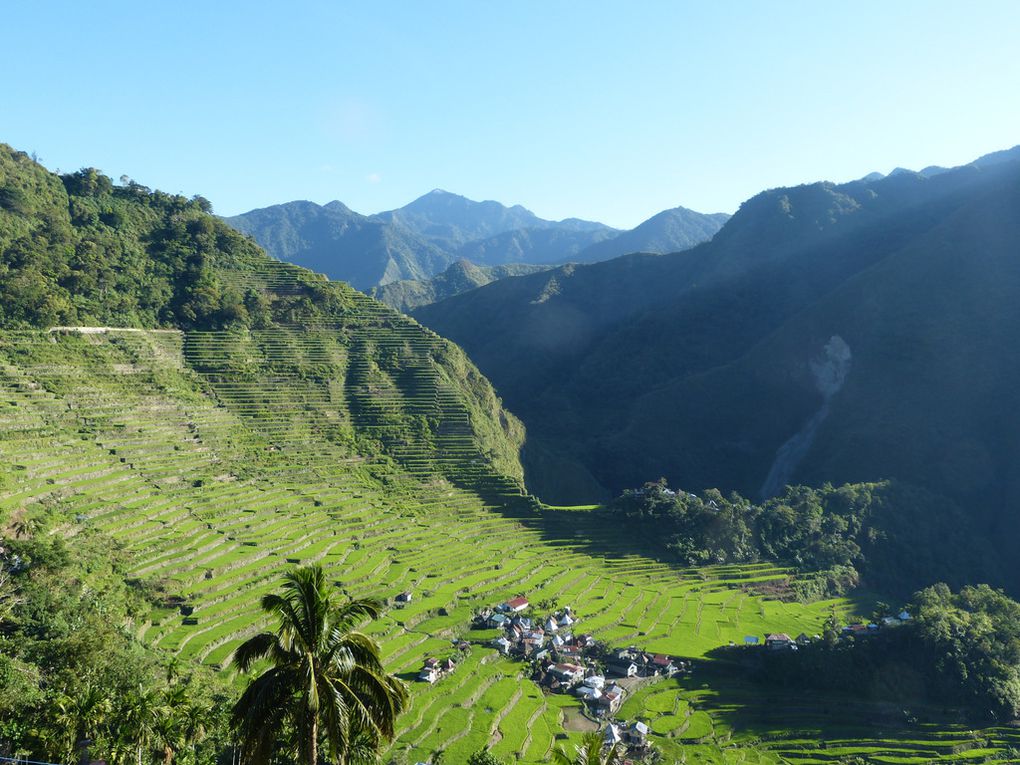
637,735
403,597
428,674
904,616
569,653
529,647
612,736
664,665
595,681
778,641
516,605
586,693
611,699
497,621
567,674
803,639
502,645
622,668
751,640
565,620
523,622
551,625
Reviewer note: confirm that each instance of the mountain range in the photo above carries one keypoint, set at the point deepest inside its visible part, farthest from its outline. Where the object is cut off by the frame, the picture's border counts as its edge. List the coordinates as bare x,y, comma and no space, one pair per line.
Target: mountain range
827,333
423,238
407,294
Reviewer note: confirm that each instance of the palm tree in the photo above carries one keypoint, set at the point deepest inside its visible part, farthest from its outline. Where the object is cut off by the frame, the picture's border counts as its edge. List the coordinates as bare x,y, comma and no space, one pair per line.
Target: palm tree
591,751
324,679
139,719
80,715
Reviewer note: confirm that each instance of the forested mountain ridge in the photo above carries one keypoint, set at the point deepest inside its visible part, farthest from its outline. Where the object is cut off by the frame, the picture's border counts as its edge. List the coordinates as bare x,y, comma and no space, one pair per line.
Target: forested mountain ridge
77,250
453,220
423,238
812,340
339,242
668,231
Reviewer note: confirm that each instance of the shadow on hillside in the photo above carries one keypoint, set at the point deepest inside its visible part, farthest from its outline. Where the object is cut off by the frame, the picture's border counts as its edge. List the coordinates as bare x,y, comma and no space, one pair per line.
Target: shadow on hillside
789,718
593,532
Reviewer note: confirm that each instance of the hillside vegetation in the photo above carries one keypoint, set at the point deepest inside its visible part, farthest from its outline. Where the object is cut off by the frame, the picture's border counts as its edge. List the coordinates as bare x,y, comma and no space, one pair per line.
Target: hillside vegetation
827,333
80,251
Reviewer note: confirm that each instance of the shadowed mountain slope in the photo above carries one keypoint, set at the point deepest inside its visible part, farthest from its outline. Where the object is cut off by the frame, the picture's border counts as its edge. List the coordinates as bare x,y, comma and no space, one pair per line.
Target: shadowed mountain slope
407,294
827,333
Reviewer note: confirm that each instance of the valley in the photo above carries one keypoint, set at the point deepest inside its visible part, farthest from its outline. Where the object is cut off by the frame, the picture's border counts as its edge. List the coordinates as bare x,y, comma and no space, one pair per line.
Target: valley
233,417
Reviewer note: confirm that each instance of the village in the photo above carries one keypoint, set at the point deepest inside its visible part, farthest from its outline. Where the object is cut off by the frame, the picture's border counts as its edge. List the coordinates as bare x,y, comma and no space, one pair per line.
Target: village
566,661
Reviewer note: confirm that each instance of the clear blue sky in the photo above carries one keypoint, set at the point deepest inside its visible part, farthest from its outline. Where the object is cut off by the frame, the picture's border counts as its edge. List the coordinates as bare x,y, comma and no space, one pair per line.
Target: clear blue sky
606,111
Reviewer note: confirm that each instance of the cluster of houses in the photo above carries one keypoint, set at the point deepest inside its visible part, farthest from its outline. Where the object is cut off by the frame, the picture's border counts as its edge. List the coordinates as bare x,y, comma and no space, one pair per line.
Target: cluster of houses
633,662
433,669
563,663
780,641
535,639
633,736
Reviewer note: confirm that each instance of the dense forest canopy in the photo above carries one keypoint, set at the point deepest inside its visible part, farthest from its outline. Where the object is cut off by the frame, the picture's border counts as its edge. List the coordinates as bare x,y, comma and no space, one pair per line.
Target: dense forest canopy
891,536
79,250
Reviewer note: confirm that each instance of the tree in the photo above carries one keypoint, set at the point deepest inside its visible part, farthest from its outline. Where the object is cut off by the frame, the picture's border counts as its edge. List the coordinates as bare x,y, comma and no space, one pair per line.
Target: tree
833,629
139,719
325,679
591,751
80,715
484,757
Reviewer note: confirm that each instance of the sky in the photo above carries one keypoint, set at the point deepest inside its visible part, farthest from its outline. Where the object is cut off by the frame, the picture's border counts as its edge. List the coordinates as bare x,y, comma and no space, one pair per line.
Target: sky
597,110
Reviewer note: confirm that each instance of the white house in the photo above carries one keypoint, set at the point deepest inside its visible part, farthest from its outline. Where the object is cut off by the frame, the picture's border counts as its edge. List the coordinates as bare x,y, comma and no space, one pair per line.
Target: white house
568,674
585,693
516,605
502,645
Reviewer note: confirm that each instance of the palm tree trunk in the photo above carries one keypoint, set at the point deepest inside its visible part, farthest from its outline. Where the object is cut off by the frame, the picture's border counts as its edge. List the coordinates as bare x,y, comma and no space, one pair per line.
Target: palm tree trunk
313,741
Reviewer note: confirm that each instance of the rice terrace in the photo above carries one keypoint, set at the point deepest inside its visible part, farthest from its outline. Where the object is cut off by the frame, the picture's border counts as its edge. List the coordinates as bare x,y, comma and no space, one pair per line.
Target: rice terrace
219,459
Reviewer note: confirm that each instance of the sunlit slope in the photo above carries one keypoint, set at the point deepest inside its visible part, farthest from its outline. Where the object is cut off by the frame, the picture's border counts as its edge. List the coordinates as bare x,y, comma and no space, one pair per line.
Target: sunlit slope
216,482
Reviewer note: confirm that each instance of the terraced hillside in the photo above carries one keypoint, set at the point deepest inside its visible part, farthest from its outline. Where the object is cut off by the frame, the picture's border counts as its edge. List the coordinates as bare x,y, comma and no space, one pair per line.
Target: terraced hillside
244,416
216,481
217,465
